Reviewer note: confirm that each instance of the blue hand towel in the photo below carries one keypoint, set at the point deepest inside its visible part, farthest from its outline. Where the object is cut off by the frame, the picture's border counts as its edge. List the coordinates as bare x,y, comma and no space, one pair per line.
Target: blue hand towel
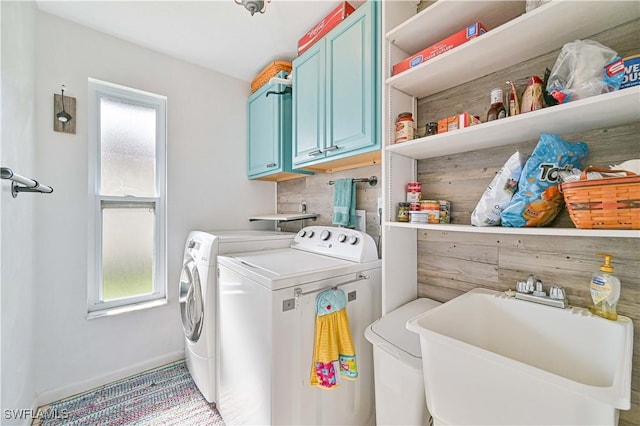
344,203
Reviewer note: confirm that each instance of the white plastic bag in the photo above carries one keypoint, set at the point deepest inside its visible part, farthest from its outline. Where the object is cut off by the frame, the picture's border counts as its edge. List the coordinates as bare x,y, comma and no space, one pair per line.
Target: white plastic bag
585,68
499,192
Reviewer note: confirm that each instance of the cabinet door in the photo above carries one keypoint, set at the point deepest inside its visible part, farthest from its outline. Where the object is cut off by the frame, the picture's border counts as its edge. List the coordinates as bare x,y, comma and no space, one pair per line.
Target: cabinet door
351,88
308,105
264,132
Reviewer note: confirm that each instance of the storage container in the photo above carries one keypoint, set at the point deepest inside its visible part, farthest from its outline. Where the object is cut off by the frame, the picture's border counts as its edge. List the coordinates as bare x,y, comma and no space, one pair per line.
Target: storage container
269,71
610,203
397,365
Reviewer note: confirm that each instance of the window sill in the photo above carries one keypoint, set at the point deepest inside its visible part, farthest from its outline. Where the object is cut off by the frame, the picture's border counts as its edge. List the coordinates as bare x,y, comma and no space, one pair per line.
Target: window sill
124,309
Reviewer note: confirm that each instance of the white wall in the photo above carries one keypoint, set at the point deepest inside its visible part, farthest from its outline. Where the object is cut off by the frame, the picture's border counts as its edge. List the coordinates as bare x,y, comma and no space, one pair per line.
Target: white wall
207,189
17,226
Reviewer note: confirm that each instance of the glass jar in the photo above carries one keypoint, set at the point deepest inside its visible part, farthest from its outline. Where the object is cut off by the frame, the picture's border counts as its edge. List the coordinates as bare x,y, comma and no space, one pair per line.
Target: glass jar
403,212
404,127
432,128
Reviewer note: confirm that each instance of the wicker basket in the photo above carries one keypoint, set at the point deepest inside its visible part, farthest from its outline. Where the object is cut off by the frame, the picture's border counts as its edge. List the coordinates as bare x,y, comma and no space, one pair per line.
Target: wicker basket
610,203
269,71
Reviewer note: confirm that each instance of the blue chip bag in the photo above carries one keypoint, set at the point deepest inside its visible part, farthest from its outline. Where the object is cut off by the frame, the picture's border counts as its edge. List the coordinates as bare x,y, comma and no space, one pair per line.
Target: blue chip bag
538,199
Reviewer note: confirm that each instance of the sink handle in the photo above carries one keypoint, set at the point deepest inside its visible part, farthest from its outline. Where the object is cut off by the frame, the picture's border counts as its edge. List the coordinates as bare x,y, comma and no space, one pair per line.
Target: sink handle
558,293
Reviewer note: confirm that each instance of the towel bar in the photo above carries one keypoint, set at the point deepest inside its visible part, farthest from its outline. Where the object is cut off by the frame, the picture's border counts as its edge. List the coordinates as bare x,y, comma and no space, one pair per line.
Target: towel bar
26,184
373,180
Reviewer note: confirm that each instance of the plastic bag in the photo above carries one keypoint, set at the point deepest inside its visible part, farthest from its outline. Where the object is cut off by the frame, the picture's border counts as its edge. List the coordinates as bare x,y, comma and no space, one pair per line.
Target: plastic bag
538,199
499,192
585,68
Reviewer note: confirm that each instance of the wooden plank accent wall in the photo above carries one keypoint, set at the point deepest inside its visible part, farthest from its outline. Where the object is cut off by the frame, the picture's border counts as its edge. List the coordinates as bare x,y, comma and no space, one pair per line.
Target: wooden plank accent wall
318,194
451,263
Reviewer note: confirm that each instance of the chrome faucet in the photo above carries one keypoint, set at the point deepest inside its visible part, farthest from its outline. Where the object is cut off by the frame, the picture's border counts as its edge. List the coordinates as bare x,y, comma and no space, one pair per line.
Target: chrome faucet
532,291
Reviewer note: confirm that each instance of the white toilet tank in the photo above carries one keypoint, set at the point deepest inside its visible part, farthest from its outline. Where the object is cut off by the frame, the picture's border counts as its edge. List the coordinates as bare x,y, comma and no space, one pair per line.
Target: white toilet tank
397,363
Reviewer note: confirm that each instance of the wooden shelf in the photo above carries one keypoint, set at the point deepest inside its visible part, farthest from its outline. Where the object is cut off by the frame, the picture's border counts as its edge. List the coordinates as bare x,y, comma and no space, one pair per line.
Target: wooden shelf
556,232
608,110
549,26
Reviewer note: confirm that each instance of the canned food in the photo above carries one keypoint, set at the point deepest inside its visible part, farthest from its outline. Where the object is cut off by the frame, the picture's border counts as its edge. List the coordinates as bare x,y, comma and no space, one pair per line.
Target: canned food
432,209
414,197
414,192
403,212
414,207
445,211
419,217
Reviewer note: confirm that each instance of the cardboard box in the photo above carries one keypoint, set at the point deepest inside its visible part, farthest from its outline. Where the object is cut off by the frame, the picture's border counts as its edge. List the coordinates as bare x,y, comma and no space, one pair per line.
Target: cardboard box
631,71
455,40
458,121
336,16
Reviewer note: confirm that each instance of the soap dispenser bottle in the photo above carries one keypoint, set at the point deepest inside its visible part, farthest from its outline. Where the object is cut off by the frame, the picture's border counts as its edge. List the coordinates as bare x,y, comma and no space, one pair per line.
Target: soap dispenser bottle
605,290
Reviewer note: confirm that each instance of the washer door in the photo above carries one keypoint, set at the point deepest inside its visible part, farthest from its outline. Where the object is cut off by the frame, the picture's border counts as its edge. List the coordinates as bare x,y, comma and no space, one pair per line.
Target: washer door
191,303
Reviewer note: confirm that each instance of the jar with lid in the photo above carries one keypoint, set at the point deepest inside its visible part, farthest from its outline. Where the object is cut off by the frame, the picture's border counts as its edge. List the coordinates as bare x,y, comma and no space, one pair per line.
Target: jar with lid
497,109
432,128
403,212
404,127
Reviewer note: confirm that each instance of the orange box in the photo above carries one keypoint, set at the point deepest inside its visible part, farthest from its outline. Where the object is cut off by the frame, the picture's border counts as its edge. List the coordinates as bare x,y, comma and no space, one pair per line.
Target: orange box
458,121
336,16
462,36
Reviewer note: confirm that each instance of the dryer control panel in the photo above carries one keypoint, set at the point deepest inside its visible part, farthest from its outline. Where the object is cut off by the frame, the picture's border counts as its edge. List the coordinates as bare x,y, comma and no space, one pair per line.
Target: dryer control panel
342,243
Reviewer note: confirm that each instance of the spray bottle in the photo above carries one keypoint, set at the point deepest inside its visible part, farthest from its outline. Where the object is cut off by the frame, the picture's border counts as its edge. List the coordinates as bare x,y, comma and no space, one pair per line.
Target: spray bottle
605,290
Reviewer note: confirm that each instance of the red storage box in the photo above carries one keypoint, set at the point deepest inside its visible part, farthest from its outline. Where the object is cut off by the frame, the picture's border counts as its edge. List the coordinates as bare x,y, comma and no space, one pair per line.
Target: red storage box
336,16
462,36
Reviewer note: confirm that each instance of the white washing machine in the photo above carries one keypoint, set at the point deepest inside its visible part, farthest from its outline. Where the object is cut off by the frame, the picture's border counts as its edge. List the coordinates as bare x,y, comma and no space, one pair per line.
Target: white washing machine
267,330
197,294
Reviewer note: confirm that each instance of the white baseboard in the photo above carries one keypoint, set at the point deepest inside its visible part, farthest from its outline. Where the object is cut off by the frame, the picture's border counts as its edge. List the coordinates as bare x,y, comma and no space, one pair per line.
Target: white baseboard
71,389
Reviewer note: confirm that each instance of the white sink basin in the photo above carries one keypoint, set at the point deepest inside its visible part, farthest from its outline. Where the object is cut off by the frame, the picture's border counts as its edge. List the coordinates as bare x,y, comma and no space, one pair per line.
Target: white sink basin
492,359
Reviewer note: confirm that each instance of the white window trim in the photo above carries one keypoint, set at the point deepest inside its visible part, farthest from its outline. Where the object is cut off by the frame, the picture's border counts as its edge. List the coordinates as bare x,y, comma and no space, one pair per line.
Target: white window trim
97,90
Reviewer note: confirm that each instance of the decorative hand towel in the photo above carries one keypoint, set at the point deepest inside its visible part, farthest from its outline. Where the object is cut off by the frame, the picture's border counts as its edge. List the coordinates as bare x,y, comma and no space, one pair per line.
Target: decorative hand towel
344,203
333,341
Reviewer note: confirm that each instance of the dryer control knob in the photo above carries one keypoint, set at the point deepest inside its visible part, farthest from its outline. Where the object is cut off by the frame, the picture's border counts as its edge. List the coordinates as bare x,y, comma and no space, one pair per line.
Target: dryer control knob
302,233
353,240
311,234
324,236
342,238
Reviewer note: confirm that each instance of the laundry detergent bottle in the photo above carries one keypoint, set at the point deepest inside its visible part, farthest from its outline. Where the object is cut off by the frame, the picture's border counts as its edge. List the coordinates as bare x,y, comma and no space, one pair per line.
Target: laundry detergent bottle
605,290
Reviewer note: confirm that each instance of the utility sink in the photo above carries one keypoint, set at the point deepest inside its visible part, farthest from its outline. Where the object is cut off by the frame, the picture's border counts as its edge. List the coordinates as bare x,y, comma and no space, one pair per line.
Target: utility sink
491,359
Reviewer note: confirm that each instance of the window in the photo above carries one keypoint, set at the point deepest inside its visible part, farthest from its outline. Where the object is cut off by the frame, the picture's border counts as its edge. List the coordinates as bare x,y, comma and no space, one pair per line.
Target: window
127,168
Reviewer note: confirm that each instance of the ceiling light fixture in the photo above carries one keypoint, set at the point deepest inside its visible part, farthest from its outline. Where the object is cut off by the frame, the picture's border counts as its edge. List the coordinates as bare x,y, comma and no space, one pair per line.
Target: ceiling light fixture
63,116
254,6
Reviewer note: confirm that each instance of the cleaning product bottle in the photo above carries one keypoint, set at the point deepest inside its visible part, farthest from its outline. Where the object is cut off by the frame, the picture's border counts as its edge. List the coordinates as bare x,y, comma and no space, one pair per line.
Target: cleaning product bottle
605,290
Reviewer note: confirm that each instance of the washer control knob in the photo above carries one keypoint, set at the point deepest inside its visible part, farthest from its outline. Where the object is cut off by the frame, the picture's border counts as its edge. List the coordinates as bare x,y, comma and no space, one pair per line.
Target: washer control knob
342,238
311,234
353,240
324,236
302,233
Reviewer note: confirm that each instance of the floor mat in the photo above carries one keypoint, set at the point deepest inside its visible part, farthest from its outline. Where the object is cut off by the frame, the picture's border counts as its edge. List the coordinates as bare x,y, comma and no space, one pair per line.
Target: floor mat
164,396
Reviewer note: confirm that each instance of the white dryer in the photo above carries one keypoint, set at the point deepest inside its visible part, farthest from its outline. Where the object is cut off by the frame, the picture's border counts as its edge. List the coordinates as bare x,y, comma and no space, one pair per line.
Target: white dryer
197,294
267,329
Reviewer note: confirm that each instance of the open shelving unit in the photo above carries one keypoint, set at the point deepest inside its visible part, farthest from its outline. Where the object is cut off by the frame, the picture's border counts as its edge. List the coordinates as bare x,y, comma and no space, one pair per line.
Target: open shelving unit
531,34
513,37
610,109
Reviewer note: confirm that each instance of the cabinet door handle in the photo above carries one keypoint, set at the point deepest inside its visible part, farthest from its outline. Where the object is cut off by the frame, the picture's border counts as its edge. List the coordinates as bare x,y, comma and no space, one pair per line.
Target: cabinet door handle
331,148
271,165
314,153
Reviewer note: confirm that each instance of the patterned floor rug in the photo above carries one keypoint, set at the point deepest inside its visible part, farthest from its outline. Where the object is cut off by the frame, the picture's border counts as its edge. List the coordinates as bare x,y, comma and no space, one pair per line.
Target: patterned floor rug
164,396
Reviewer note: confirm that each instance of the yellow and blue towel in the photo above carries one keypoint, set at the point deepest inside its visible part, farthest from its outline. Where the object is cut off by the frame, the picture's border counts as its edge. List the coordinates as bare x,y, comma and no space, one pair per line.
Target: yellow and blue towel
333,340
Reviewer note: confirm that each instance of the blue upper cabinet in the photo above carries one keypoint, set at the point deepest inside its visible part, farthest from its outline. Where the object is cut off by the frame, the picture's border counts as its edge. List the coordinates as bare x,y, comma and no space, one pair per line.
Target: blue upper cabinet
309,97
336,97
269,134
